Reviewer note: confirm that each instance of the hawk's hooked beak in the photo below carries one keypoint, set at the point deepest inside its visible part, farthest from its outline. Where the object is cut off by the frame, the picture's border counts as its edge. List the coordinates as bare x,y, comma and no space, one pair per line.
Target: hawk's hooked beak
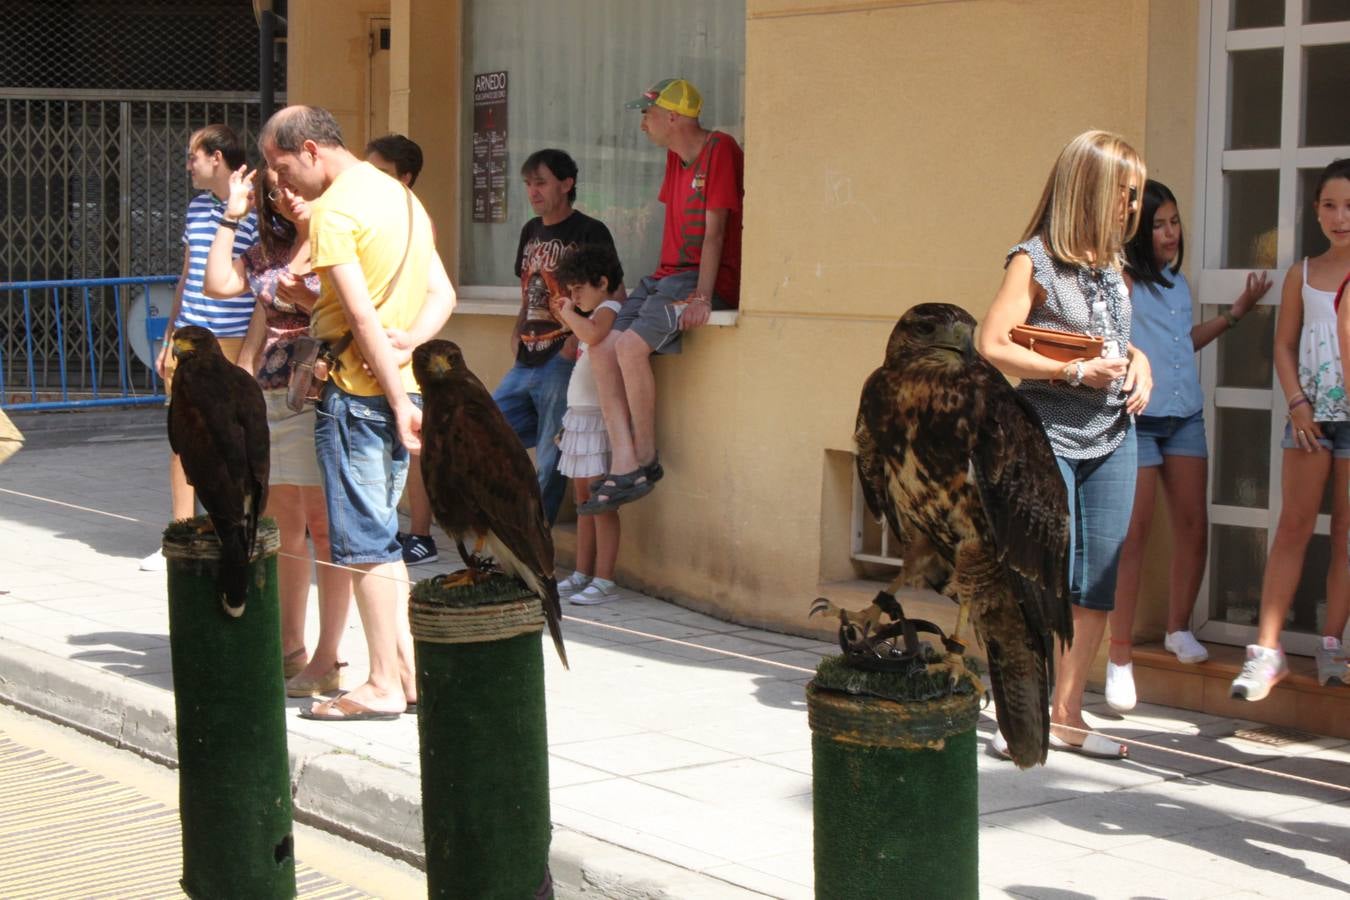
439,365
180,347
959,338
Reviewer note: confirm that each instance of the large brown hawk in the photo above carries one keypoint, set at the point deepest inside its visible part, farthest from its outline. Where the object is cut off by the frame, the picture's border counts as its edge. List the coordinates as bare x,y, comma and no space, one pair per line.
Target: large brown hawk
961,468
480,480
218,428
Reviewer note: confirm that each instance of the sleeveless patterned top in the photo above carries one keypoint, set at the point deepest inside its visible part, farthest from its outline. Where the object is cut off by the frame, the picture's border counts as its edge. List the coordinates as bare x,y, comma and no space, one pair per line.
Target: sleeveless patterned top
1082,422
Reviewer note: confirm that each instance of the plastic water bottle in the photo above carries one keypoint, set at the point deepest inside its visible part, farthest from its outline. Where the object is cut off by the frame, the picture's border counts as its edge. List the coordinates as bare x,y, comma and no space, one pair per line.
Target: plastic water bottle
1101,325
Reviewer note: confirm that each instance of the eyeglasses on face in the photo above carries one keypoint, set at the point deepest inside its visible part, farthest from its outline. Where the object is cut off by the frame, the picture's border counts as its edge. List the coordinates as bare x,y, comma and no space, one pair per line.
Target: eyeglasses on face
275,195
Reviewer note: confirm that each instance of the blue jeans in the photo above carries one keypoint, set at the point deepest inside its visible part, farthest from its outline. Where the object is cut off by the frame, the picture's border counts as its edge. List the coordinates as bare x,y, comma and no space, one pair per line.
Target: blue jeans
363,464
533,399
1101,498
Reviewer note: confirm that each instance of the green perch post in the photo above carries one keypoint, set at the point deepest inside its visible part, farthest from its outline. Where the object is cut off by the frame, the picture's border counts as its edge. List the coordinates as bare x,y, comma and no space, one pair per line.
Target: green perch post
234,782
895,791
483,736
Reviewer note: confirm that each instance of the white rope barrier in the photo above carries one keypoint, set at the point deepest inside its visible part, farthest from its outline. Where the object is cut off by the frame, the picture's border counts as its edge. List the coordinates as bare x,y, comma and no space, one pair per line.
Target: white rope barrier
1223,763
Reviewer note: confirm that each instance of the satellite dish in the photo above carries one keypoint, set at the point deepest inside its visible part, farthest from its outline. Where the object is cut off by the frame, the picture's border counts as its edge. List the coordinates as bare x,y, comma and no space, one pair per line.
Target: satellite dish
147,315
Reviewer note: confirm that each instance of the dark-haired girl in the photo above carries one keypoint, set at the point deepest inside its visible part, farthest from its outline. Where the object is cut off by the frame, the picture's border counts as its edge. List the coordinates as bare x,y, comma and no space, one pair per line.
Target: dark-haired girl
1170,433
1316,445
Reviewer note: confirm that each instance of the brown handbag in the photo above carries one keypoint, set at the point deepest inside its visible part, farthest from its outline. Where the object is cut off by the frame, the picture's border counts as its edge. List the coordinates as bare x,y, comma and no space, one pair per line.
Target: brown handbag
1062,346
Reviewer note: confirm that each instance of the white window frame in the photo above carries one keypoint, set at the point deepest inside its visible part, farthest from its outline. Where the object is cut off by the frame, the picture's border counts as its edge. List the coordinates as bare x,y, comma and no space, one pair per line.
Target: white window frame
1218,286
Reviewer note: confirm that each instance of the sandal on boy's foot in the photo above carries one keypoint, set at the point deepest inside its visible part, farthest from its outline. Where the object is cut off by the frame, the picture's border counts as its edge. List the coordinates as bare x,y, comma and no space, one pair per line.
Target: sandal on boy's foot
1093,745
342,709
330,681
615,491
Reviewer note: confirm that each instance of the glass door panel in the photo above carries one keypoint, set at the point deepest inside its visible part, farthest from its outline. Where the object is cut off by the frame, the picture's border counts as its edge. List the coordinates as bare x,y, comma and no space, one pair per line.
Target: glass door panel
1323,11
1241,465
1326,86
1246,356
1237,562
1254,98
1253,207
1256,14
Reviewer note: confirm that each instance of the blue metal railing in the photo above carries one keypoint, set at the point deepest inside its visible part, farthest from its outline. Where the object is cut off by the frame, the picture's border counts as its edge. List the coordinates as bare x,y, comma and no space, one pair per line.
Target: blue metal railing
98,351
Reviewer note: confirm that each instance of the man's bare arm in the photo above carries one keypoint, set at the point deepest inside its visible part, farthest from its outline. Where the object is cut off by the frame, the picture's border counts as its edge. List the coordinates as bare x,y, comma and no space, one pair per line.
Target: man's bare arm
700,301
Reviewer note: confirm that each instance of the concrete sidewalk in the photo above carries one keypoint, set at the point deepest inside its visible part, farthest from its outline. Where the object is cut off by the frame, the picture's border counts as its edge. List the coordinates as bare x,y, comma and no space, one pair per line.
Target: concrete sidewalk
675,772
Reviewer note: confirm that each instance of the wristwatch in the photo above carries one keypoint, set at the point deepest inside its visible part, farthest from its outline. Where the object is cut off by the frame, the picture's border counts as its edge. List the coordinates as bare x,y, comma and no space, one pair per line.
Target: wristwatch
1075,378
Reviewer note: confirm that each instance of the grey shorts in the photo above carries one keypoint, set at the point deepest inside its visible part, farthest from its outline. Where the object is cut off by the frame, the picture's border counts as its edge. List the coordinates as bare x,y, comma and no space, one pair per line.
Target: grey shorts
653,310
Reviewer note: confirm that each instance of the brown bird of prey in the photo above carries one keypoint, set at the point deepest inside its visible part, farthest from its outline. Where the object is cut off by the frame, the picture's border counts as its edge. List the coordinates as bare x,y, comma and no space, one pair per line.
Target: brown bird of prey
961,468
218,428
480,480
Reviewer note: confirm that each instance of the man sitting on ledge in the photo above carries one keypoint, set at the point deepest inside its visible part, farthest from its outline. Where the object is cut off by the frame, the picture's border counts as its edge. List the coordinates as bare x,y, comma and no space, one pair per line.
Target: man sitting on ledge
700,270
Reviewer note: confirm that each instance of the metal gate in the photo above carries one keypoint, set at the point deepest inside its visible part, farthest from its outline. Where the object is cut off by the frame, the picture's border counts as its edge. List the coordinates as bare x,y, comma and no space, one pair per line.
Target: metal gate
93,186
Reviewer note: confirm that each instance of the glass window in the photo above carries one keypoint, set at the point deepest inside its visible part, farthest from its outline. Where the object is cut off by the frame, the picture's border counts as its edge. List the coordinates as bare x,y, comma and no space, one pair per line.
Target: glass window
1242,460
1326,84
1309,239
1254,100
571,65
1326,11
1257,14
1253,206
1246,354
1237,562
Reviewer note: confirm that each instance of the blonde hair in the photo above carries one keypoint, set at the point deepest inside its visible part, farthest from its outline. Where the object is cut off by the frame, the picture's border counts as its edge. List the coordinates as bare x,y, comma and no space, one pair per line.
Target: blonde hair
1078,216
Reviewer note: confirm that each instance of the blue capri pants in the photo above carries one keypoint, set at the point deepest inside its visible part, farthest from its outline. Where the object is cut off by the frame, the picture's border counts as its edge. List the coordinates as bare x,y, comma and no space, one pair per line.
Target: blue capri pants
1101,498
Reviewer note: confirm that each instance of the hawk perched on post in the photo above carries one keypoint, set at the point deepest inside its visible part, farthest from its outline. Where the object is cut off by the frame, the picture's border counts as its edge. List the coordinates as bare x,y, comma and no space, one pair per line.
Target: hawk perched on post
480,479
962,470
218,428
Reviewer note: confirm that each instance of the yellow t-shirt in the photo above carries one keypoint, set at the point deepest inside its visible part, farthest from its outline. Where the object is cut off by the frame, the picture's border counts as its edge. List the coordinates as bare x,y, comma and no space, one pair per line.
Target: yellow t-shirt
363,218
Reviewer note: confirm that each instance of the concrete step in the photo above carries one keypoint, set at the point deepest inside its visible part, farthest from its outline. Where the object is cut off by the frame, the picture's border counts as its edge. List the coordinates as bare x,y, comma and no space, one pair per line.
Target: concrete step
1296,702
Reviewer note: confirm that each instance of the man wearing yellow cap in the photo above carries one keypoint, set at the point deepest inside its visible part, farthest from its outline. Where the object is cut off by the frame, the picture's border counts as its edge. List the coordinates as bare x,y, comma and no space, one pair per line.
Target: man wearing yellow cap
700,270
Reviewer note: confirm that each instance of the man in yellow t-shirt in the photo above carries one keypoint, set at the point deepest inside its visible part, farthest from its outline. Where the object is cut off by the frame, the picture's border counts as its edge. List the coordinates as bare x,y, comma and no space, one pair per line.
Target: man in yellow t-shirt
383,282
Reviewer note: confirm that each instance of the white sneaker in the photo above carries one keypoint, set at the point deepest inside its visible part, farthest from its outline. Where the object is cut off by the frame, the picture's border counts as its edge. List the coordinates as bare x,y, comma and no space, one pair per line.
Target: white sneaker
1186,647
155,562
572,583
594,593
1120,694
1262,671
1333,664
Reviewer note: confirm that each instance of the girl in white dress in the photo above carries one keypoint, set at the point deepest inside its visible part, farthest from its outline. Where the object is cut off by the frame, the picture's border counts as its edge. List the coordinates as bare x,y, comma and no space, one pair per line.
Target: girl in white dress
589,275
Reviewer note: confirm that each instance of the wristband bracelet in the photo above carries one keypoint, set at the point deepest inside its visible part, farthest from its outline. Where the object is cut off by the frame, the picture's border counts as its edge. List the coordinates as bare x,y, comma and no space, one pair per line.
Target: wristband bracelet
229,223
1298,401
1231,319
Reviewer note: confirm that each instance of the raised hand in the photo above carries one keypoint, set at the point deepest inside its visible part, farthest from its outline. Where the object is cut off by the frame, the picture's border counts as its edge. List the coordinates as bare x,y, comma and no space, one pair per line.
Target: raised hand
240,200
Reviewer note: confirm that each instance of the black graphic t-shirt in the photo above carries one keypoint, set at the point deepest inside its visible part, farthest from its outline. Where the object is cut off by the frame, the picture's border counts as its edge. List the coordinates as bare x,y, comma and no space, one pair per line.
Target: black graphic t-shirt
541,246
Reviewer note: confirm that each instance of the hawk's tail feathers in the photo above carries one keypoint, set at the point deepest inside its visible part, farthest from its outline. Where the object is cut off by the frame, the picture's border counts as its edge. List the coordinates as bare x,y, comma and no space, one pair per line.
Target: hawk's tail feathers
232,576
553,616
1021,687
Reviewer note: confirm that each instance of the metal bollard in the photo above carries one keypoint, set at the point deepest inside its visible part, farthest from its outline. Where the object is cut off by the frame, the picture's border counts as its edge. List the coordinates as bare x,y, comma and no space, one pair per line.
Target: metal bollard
483,737
895,792
234,782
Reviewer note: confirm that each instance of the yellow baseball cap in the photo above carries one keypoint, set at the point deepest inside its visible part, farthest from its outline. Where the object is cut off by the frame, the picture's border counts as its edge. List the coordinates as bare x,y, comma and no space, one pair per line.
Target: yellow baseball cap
674,94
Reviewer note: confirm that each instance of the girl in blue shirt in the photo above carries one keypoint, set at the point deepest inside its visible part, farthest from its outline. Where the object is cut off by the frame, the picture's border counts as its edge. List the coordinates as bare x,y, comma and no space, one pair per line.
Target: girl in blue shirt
1170,433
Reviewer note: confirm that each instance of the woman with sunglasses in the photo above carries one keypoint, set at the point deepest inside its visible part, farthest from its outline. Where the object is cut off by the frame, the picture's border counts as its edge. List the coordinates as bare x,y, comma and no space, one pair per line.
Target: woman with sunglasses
1066,274
277,269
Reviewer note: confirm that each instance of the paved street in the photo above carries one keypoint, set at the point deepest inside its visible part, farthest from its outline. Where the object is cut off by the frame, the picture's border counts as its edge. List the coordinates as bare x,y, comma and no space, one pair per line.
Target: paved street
673,768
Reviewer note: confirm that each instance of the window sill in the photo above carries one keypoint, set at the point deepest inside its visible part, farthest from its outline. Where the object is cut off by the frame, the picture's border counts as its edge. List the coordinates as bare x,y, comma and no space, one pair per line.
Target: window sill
487,300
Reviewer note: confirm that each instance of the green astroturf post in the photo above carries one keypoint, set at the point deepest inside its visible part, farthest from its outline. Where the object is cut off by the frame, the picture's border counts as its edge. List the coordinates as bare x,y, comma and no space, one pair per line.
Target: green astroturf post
234,784
483,738
895,792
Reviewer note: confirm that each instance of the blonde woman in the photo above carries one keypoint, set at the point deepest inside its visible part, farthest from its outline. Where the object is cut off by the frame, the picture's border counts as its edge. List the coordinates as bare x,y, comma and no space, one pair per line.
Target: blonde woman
1066,274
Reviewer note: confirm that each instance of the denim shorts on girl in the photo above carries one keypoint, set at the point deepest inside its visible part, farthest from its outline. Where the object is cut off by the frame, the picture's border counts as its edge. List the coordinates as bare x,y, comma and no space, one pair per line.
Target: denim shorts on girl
1335,437
1160,436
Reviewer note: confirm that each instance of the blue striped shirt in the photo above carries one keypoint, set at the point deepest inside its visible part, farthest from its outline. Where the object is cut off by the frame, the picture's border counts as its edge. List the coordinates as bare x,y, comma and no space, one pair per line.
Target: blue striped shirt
229,317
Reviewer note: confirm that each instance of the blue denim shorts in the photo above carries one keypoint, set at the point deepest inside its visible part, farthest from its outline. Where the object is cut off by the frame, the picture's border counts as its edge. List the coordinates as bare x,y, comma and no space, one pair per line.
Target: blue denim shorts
1160,436
363,465
1335,437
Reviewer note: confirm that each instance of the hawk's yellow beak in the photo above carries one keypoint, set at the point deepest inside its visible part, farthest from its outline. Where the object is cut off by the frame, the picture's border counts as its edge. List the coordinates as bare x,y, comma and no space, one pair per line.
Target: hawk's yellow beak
439,365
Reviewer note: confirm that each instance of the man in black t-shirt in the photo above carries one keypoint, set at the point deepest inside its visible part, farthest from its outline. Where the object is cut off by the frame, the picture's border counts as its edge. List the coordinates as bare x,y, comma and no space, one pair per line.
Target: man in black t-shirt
533,394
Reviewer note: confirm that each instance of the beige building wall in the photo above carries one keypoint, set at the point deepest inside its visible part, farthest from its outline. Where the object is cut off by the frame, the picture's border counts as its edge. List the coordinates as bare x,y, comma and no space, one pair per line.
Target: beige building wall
894,152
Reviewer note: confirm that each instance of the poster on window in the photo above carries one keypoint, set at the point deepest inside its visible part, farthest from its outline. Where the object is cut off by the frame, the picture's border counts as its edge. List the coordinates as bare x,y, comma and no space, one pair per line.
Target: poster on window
489,147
